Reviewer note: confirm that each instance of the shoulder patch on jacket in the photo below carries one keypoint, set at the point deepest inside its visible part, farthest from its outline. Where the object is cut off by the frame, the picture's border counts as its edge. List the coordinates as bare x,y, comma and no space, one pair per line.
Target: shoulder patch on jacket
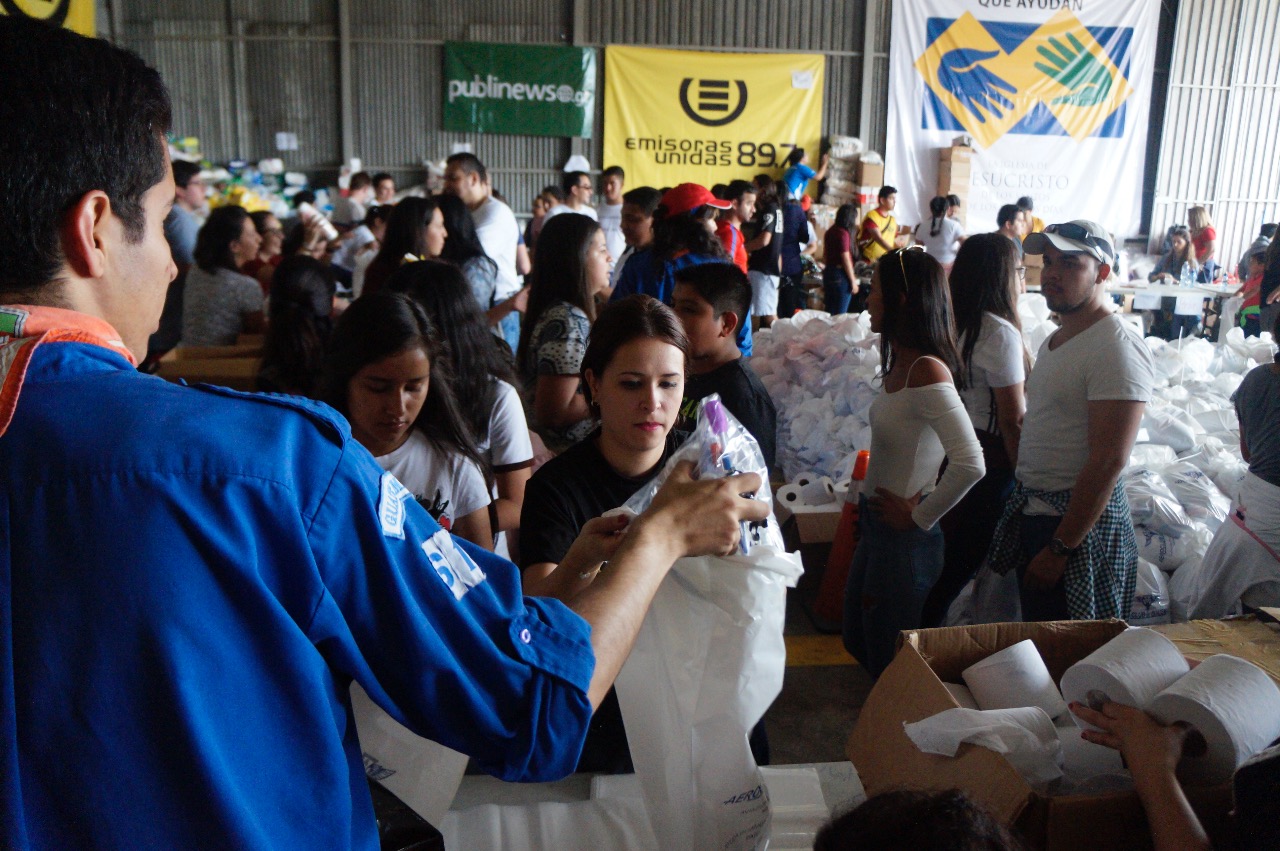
331,423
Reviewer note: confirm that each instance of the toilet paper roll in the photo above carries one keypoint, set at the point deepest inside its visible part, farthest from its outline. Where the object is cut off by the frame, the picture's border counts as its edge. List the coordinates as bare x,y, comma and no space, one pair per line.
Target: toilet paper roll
962,695
1131,668
803,478
842,487
1081,759
1233,704
1014,677
818,492
790,495
1025,735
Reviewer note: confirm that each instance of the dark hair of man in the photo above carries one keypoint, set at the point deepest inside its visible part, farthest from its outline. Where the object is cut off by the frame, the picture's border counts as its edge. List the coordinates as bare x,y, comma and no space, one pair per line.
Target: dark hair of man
614,171
1268,230
378,326
846,217
886,191
917,310
795,156
937,212
632,318
644,197
301,299
1025,203
569,181
213,243
560,273
737,188
766,191
478,356
984,279
183,171
684,232
79,114
303,196
382,176
463,243
722,285
359,181
470,164
921,821
1007,214
720,191
554,192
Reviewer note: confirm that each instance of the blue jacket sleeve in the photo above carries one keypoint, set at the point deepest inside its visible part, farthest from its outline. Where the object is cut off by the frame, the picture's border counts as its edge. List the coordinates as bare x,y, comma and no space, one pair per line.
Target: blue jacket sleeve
438,632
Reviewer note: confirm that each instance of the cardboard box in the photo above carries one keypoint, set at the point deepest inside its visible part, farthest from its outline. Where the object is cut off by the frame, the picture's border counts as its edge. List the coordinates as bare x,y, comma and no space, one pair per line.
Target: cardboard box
911,689
955,154
869,174
1034,264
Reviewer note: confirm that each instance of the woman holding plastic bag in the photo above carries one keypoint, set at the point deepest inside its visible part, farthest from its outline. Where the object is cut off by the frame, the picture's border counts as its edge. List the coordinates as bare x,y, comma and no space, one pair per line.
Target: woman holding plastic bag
917,420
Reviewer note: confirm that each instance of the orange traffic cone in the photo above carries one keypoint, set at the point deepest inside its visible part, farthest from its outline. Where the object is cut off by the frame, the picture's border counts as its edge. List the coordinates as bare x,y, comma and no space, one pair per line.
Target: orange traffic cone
829,604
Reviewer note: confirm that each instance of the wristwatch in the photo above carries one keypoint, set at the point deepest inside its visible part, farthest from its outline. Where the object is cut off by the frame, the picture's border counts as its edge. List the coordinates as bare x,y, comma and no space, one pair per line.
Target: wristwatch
1060,549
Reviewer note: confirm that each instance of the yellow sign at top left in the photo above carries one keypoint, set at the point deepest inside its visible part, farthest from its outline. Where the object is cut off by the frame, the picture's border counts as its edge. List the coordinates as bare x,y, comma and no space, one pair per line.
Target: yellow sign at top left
77,15
676,116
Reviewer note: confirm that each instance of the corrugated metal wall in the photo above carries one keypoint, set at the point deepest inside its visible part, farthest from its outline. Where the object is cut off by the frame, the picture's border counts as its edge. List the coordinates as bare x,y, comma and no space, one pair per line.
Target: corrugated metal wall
242,70
1221,121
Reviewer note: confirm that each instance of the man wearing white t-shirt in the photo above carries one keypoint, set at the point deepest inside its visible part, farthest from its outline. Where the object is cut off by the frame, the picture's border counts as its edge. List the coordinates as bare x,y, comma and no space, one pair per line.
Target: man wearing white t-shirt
609,213
1066,528
466,177
577,197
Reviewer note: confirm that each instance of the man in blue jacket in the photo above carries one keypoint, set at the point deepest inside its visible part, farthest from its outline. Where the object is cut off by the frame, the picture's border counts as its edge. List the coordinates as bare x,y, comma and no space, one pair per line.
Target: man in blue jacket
190,578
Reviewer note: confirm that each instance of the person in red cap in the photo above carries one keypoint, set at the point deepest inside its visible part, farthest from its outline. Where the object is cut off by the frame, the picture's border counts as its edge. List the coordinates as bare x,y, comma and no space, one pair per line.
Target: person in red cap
684,235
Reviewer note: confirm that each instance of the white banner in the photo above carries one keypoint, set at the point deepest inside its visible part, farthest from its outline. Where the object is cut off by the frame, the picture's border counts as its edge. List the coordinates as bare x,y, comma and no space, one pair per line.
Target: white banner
1055,94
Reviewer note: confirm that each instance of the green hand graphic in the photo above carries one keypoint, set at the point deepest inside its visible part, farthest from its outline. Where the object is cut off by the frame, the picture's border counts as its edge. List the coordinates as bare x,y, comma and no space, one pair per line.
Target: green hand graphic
1077,69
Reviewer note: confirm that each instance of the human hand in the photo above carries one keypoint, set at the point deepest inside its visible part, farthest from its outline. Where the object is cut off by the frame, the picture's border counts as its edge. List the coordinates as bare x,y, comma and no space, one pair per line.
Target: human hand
703,517
520,301
894,510
977,88
1044,571
1274,297
1075,68
1147,745
596,543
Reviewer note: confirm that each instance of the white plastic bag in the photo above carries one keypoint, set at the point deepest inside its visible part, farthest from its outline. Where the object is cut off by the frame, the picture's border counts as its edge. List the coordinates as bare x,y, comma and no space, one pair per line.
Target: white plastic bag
1171,427
1199,496
1164,551
1151,598
1152,504
422,773
707,663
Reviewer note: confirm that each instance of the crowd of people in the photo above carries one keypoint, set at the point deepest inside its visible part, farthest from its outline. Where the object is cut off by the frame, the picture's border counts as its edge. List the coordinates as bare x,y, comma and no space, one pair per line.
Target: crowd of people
434,529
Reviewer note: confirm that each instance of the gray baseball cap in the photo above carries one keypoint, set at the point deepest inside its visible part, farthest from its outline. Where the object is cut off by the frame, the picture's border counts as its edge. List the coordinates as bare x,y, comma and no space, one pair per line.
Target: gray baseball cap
1080,236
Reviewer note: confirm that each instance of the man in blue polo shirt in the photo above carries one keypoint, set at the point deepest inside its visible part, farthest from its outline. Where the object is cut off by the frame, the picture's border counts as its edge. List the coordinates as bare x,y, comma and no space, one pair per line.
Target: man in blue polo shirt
191,578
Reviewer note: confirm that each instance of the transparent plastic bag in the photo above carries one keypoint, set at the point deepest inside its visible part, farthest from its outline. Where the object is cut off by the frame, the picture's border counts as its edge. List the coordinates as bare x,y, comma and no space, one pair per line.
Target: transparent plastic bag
707,663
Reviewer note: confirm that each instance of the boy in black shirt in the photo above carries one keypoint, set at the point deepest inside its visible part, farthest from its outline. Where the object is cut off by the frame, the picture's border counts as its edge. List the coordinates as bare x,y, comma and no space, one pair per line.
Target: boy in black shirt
711,299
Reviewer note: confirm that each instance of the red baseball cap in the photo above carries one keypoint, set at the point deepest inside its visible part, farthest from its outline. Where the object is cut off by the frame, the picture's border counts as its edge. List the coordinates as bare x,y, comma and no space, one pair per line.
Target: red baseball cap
690,196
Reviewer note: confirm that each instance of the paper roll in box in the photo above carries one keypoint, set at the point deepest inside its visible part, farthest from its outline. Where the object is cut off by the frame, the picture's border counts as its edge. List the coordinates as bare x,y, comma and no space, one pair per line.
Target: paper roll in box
912,689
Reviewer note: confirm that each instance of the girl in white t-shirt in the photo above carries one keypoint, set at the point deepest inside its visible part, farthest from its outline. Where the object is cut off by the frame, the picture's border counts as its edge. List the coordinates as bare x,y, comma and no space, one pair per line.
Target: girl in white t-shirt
483,381
387,373
985,282
915,422
942,235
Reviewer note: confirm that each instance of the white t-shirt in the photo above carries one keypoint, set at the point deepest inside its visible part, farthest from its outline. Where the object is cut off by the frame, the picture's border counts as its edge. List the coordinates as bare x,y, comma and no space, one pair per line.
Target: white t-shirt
589,212
997,362
1106,362
507,446
499,234
942,247
448,486
610,218
347,253
618,264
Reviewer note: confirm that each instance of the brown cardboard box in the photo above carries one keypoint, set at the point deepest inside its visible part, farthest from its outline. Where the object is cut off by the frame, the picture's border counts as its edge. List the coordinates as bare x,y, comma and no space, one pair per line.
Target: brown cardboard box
869,174
955,154
911,689
1034,264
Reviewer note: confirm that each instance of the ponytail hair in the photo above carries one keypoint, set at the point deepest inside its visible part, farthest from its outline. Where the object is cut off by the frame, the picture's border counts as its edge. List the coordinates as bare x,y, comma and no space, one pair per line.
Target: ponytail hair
937,212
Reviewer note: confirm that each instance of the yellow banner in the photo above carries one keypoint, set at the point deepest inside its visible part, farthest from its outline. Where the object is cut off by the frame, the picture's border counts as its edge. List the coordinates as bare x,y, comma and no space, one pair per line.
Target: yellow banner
75,15
677,116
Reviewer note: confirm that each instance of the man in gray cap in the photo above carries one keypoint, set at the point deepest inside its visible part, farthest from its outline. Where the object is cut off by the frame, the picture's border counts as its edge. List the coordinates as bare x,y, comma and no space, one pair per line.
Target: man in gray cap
1066,528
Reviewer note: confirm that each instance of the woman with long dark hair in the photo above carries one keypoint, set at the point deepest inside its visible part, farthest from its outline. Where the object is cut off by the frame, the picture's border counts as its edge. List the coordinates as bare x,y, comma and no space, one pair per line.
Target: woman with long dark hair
839,283
943,235
388,374
917,421
483,381
301,300
462,248
263,265
220,303
633,371
415,229
984,292
572,269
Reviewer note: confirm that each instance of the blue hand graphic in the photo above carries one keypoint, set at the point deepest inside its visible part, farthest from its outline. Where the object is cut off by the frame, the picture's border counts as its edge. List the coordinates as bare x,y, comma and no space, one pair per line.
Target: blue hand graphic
977,88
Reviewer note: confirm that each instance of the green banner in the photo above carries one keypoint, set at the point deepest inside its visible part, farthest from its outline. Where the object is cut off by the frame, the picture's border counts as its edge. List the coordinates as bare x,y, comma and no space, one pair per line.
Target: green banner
528,90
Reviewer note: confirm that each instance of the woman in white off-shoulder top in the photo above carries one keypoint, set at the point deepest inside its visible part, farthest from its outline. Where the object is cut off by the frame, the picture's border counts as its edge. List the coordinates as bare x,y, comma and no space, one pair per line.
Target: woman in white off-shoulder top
917,421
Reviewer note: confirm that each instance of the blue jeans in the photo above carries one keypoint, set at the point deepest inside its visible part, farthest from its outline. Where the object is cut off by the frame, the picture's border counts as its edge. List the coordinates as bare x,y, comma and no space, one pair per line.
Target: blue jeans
836,291
889,580
510,328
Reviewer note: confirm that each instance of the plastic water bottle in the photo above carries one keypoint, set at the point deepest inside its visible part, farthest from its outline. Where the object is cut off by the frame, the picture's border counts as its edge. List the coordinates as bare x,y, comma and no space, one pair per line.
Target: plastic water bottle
1187,278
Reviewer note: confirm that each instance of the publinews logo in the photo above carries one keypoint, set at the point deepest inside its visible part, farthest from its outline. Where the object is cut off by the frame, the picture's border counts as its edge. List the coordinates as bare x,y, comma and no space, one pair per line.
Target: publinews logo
1050,79
494,88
